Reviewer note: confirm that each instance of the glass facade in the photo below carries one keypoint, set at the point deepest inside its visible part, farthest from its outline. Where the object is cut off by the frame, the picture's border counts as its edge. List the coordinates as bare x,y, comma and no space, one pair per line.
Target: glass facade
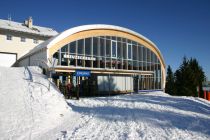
112,52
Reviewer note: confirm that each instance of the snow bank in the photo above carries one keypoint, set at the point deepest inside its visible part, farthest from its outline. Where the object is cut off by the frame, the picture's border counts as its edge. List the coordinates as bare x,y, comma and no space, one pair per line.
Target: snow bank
148,116
28,110
29,107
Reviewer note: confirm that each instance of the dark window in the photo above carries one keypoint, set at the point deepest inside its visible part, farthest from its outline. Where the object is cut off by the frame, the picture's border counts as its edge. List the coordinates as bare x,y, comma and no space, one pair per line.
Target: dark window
36,41
64,49
144,54
140,53
88,43
148,55
95,46
108,48
135,51
23,39
80,46
119,50
102,46
73,47
124,51
9,37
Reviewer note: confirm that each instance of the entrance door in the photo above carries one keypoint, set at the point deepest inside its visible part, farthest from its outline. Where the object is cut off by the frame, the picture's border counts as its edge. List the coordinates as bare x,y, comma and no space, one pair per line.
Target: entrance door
136,84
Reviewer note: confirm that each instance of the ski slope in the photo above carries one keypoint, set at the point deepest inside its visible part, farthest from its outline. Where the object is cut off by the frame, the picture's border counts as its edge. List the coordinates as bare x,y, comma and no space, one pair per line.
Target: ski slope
29,110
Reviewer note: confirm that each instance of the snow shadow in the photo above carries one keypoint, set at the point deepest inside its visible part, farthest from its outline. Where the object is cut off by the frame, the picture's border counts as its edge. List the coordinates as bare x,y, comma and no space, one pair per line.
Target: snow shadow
161,119
170,101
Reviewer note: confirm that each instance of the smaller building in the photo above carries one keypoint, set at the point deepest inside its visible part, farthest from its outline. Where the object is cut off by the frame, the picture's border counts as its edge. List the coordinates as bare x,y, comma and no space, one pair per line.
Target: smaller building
17,39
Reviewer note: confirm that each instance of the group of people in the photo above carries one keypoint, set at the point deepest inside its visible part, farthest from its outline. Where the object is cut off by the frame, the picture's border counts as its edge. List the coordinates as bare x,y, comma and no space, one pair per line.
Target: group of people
72,91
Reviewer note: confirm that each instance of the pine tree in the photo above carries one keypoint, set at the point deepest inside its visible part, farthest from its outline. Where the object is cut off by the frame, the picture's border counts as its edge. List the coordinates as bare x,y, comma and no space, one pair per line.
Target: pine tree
188,77
170,81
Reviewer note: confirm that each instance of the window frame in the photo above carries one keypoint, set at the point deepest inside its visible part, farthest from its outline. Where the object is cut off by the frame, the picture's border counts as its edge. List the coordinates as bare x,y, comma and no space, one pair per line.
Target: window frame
9,37
115,48
129,44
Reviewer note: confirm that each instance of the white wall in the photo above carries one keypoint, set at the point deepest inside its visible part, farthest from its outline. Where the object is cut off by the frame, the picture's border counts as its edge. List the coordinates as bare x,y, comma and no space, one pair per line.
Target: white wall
7,60
117,83
15,45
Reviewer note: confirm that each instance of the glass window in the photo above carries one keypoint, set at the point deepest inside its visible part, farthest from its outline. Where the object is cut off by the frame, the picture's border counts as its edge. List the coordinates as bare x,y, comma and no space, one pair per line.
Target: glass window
88,47
114,38
123,40
102,62
108,48
95,46
64,49
130,65
36,41
23,39
114,49
124,51
119,50
102,47
80,46
73,47
129,48
144,54
141,66
148,55
135,51
9,37
135,65
140,53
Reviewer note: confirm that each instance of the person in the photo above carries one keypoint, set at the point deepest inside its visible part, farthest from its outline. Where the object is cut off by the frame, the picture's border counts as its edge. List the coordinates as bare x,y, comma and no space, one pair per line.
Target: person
69,90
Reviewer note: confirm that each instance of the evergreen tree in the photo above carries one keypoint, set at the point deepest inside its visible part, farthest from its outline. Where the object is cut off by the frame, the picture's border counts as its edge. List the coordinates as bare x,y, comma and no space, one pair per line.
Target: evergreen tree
188,77
170,81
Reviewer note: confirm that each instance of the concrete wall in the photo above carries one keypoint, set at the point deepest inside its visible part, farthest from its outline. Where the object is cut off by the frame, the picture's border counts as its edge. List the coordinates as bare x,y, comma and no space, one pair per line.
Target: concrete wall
115,83
37,59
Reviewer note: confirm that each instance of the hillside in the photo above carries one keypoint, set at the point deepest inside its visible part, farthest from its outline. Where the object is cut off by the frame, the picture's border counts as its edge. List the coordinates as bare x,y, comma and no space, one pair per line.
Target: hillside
29,110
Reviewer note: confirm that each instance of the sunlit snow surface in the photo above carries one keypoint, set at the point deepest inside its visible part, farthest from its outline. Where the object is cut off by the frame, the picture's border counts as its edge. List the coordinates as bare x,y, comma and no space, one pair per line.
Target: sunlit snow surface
29,111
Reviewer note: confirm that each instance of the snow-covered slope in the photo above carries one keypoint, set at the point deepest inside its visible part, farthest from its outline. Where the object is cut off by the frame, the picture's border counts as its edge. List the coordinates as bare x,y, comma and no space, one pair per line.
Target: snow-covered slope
29,111
149,116
27,108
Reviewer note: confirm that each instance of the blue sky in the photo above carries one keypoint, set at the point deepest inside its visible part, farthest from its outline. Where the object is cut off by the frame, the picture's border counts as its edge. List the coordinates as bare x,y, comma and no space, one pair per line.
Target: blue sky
177,27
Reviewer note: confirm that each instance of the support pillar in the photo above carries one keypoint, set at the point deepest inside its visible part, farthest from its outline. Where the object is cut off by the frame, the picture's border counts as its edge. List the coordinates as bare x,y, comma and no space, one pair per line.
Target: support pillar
58,83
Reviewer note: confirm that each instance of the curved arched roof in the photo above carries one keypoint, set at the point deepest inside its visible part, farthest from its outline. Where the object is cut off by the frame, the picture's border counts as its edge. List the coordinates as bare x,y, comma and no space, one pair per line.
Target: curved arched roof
52,41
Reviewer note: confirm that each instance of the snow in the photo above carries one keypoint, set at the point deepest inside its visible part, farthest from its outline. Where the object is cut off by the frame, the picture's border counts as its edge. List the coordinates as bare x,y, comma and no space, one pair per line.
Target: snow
16,26
27,107
29,111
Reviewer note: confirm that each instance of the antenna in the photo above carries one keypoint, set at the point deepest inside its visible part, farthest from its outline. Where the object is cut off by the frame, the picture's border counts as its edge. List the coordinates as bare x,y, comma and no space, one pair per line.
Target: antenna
9,17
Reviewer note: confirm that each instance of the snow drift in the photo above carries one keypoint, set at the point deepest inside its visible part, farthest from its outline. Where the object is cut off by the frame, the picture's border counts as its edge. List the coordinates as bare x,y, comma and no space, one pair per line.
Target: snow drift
29,107
29,110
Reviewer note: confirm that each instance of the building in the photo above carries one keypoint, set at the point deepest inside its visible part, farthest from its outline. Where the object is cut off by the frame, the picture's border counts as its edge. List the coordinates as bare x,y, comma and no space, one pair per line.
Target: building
102,59
17,39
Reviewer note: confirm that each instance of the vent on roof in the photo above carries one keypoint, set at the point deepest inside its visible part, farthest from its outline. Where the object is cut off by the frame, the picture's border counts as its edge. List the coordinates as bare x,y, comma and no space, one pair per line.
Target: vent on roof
29,22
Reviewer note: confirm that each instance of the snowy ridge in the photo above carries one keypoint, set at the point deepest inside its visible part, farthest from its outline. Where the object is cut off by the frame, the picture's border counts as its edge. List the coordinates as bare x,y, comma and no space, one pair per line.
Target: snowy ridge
28,107
16,26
